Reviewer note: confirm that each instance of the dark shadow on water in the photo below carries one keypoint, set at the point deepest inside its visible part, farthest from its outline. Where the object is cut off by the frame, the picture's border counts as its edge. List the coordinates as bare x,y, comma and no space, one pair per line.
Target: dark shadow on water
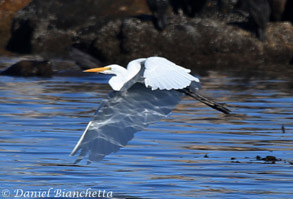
120,116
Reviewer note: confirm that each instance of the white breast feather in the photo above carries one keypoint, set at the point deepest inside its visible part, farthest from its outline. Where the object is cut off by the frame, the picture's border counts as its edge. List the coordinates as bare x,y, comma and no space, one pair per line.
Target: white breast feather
116,82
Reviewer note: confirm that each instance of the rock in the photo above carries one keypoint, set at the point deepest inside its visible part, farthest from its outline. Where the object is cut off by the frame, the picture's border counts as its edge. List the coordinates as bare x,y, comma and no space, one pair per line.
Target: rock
281,10
30,68
114,31
288,12
8,10
278,48
277,8
159,9
219,9
269,159
189,7
41,68
194,43
84,60
49,27
259,13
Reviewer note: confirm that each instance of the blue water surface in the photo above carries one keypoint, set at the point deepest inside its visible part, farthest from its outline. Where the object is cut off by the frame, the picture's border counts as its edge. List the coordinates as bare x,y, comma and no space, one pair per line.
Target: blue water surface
195,152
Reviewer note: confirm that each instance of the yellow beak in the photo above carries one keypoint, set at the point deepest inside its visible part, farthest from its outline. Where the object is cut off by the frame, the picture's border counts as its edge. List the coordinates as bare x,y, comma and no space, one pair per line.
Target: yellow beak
97,70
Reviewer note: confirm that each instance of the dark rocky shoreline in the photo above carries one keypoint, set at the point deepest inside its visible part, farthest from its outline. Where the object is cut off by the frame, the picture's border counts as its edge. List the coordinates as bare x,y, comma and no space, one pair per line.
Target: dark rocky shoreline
119,31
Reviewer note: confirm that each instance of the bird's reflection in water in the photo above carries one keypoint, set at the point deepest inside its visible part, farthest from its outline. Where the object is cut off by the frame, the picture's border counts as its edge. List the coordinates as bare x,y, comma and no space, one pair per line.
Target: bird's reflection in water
120,116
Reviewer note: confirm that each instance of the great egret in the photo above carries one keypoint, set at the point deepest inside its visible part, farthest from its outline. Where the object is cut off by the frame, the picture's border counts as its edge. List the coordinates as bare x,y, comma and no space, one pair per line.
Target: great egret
145,92
156,73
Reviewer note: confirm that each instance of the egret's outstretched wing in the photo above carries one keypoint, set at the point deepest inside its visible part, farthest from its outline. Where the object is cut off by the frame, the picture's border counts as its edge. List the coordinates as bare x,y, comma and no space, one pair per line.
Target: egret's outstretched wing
163,74
120,116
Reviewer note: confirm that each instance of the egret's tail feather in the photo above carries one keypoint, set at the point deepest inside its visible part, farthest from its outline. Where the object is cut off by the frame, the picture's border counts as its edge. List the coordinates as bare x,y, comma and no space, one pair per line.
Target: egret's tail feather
208,102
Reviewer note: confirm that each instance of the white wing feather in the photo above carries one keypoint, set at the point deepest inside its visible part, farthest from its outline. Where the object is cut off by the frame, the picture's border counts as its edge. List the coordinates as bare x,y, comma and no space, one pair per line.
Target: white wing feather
163,74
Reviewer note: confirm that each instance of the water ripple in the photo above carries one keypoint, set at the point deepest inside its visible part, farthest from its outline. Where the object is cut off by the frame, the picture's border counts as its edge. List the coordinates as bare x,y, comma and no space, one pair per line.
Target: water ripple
193,153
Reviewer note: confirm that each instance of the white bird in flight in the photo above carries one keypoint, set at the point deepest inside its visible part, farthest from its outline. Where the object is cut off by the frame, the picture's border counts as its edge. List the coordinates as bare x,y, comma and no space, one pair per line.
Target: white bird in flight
144,92
156,73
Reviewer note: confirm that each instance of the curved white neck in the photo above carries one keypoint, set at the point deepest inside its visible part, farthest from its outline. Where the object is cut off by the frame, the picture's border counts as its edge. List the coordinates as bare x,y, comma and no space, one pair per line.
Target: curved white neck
133,68
123,75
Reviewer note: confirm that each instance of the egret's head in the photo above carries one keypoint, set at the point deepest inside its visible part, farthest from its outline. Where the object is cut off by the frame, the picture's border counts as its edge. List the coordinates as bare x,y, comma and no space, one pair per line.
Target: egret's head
111,69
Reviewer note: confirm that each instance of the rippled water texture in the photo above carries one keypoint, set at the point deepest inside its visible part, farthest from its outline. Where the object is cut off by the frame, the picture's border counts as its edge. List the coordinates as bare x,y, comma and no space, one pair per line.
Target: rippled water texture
195,152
